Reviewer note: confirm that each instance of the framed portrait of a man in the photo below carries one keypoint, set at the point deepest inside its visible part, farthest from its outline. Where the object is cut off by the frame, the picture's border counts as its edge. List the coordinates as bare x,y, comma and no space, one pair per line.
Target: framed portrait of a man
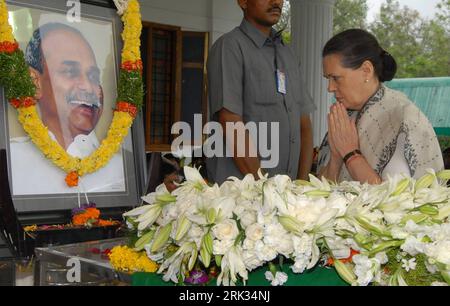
73,61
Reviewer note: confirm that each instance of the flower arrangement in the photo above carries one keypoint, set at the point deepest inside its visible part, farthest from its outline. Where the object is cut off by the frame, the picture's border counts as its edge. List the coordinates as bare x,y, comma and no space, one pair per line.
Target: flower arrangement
20,92
88,215
395,233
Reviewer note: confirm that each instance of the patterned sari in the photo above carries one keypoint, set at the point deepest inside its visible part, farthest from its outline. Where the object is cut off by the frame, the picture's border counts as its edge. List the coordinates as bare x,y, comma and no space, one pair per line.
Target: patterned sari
385,116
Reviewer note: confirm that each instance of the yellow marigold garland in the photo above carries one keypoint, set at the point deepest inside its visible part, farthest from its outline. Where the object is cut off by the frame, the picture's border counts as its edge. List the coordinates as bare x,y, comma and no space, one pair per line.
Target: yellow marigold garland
123,115
32,124
6,34
131,34
125,259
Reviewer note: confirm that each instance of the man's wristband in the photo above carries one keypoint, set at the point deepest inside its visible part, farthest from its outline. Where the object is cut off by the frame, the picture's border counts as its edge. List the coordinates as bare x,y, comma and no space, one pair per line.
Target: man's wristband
352,153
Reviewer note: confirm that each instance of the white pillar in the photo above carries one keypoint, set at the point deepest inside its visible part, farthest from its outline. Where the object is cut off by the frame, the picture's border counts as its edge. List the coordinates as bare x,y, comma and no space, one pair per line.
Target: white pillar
312,26
225,16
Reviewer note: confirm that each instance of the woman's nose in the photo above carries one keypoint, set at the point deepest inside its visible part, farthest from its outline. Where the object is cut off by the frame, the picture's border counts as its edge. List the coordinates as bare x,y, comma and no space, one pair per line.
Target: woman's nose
331,86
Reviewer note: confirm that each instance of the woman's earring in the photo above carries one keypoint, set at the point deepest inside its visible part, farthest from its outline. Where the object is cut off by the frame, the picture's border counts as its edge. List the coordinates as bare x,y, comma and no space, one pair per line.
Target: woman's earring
366,81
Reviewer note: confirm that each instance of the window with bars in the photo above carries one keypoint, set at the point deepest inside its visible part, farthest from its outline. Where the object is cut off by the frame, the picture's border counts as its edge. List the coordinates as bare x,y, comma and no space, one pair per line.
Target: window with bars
162,91
174,77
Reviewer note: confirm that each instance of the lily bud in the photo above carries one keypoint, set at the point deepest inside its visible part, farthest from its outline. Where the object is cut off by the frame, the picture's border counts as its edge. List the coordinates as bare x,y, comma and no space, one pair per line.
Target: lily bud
362,240
344,272
290,224
444,212
207,241
149,217
444,175
424,182
446,276
302,183
205,256
385,245
138,211
401,186
318,193
184,224
375,229
143,241
161,238
193,257
218,260
166,198
429,209
211,215
418,218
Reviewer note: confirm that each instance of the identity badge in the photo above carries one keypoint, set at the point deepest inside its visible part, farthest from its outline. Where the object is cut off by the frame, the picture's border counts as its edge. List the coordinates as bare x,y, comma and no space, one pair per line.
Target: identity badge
281,82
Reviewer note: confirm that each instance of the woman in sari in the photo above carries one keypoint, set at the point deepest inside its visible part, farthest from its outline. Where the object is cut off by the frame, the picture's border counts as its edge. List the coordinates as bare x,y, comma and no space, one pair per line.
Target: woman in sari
373,131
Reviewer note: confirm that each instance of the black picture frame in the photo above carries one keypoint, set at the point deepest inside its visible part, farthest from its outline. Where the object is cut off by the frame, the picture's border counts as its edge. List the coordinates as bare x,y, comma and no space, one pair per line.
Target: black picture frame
133,149
103,3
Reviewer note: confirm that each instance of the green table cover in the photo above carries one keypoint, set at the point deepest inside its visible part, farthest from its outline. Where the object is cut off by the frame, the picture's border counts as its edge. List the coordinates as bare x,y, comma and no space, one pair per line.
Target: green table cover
318,276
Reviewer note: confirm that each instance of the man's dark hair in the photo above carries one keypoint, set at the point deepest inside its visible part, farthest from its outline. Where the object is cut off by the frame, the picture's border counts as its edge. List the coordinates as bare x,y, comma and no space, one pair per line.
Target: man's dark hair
33,54
357,46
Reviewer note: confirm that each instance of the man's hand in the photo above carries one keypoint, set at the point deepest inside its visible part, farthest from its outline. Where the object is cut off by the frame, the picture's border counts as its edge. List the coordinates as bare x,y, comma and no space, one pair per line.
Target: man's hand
306,148
246,164
170,181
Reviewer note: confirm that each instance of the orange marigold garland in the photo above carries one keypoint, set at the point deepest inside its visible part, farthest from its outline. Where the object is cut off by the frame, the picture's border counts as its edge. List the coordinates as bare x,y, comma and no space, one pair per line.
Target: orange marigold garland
127,108
88,215
72,179
8,47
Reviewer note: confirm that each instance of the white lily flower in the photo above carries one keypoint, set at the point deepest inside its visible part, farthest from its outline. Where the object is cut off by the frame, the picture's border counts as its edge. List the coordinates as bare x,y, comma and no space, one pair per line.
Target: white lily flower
319,184
281,183
339,202
244,188
149,217
294,219
138,211
151,197
271,198
173,264
232,265
220,247
193,175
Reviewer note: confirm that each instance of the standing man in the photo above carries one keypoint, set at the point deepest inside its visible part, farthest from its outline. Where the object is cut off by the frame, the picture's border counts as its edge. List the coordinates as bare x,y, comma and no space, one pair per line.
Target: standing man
253,76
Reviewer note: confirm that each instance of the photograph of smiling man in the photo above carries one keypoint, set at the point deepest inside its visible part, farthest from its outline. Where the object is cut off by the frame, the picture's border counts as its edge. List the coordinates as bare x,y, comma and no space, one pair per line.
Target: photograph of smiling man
70,100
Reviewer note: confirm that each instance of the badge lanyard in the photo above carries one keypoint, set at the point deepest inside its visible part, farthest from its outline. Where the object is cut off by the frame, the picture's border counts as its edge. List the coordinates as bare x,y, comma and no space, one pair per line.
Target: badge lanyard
280,76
